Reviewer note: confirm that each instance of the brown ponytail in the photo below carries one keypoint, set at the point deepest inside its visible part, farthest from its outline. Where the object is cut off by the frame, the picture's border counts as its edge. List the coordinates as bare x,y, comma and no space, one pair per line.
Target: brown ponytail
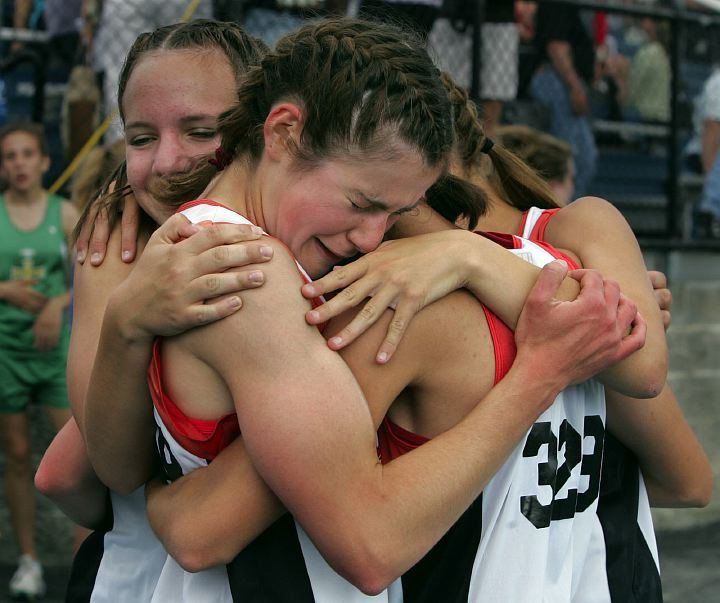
517,183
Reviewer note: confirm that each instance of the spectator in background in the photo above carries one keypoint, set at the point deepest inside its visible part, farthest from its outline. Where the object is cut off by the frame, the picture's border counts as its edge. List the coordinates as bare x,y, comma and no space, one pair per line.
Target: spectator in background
34,296
62,22
270,20
547,155
119,23
643,83
709,210
499,60
702,153
566,66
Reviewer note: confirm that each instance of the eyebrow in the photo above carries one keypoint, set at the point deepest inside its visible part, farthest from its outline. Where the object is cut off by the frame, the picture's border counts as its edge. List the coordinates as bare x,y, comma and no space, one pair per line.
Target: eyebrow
380,204
188,119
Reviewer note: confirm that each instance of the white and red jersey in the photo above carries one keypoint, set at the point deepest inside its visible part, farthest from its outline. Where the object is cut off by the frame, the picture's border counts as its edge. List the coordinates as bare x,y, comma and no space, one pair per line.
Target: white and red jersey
281,564
623,564
527,536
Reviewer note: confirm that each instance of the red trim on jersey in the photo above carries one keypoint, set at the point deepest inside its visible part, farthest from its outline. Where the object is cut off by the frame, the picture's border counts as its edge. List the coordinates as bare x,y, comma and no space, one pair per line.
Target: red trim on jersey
203,438
393,440
538,231
537,235
195,202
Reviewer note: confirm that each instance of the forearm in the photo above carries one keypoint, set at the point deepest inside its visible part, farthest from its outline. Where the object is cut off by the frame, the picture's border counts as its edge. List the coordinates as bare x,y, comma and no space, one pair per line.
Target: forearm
500,279
676,470
710,144
66,477
118,423
208,516
22,13
560,55
380,531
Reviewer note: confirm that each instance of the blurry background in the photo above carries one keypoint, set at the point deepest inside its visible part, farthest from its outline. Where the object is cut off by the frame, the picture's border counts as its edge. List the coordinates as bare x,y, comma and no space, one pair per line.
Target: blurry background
652,95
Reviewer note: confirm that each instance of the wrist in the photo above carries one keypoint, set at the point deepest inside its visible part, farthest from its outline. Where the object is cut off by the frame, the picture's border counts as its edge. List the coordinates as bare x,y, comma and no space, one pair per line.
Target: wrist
473,270
535,381
123,321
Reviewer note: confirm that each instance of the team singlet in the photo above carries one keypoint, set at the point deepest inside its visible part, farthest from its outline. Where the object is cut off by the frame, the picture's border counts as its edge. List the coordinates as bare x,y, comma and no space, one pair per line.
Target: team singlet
281,564
527,536
623,564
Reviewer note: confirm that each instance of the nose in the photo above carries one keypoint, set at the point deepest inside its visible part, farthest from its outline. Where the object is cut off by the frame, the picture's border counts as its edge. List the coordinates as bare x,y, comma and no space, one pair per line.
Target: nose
170,157
370,232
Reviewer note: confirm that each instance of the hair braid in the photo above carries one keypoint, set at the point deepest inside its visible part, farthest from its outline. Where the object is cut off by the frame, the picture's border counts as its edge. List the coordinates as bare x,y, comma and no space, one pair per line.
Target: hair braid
362,86
511,177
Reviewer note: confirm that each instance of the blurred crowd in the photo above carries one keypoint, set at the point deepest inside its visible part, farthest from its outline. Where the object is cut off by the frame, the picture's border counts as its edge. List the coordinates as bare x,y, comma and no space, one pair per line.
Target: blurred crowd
547,76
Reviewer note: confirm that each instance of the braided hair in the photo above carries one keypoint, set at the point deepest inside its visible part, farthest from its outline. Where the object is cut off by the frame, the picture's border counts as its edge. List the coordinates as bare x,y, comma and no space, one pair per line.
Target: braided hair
510,177
361,85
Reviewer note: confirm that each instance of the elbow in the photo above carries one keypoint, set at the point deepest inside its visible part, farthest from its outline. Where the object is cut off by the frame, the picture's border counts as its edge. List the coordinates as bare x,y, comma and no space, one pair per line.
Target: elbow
52,483
195,552
192,561
646,380
119,485
369,566
699,493
371,578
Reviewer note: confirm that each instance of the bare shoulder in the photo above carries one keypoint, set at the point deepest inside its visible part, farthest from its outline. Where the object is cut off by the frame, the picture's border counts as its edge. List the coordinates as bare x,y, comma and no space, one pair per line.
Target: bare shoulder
590,222
94,284
588,214
272,317
440,334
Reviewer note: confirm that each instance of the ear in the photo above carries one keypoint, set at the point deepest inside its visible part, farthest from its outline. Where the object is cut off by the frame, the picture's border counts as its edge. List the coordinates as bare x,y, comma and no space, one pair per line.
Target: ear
284,122
45,163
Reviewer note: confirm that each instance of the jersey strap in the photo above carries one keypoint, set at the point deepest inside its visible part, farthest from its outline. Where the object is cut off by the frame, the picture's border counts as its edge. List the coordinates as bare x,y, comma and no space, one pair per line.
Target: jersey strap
203,438
532,227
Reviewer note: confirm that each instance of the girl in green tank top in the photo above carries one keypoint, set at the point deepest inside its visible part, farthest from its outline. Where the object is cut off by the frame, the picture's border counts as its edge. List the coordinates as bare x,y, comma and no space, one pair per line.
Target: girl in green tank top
34,296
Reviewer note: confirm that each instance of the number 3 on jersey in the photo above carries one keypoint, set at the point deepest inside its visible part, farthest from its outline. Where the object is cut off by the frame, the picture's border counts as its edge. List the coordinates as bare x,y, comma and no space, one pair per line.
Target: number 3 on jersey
549,474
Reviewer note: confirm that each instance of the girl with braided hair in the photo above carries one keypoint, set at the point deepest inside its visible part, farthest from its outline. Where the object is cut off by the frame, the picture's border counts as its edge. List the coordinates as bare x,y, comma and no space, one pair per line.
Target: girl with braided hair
169,123
340,130
518,202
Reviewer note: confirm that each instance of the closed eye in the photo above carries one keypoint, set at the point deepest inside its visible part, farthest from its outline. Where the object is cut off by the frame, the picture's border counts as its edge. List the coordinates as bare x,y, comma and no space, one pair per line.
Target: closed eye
141,140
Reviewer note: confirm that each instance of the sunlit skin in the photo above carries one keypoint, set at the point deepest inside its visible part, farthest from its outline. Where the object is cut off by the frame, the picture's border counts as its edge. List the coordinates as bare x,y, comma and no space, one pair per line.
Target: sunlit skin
339,208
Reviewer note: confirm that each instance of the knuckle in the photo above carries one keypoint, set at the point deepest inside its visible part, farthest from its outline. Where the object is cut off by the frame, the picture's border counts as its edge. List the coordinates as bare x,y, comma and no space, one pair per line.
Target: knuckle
212,284
338,275
348,296
214,233
397,325
368,312
221,254
202,315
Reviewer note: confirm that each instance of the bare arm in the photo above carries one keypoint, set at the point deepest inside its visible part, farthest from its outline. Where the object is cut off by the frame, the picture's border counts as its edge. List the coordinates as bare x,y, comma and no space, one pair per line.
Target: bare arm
67,478
408,274
599,235
710,144
676,470
348,503
560,55
164,293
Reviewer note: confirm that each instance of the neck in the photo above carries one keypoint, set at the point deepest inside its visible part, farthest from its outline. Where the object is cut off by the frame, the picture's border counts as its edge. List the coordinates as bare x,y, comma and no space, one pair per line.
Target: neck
35,194
236,187
500,216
